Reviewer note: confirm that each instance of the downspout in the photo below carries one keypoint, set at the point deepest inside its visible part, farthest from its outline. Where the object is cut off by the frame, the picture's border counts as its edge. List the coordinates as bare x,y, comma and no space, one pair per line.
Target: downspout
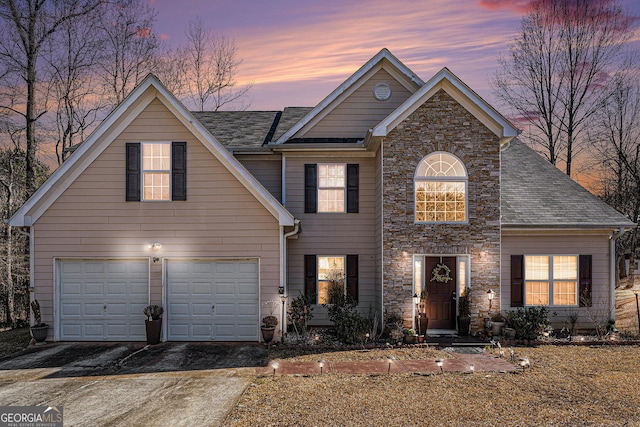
612,272
283,269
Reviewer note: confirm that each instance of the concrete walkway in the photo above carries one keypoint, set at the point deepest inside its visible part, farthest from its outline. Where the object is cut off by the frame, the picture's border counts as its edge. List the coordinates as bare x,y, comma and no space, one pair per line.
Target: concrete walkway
458,363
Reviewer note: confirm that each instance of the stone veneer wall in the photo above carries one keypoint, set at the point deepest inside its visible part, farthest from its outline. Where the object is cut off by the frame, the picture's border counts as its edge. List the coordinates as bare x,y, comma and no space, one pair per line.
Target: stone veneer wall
441,124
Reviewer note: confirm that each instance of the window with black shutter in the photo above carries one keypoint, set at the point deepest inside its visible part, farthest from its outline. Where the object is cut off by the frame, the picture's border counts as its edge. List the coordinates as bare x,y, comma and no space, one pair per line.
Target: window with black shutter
156,171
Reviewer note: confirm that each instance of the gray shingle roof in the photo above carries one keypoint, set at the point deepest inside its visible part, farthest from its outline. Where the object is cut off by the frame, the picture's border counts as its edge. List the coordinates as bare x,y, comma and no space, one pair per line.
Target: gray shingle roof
290,116
536,194
238,129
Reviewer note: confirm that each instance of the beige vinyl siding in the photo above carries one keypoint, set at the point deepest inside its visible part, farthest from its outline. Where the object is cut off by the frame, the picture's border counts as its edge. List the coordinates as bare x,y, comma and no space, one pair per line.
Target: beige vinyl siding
267,169
91,219
571,244
333,234
359,112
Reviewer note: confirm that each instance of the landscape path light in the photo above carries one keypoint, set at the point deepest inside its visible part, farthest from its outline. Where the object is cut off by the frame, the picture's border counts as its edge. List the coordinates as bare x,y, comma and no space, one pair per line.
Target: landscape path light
637,292
275,366
439,363
321,364
472,368
391,359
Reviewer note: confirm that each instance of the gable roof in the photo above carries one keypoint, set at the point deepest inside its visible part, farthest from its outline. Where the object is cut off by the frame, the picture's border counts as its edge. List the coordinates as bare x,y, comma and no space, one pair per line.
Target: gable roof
142,95
384,59
534,193
238,129
462,93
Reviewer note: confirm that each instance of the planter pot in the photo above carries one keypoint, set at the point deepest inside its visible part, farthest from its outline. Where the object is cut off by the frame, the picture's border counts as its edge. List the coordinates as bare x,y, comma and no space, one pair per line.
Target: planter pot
464,323
421,324
420,339
39,333
509,333
496,328
267,333
154,330
409,339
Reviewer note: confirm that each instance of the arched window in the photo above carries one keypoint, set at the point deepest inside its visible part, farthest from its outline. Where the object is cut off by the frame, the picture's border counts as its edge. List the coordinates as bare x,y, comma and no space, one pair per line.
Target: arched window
441,189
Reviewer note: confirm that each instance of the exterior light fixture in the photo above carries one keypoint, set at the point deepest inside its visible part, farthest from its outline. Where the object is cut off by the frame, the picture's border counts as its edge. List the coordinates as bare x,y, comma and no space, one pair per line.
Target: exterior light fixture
524,363
321,364
155,246
275,366
490,295
637,292
416,300
317,338
439,363
391,359
472,368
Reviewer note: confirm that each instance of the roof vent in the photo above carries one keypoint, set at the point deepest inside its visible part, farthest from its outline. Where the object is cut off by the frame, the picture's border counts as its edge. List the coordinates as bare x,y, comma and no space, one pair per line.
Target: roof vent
382,91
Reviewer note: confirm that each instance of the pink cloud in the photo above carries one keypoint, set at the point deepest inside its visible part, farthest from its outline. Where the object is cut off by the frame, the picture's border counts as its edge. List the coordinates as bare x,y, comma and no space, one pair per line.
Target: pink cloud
517,6
164,36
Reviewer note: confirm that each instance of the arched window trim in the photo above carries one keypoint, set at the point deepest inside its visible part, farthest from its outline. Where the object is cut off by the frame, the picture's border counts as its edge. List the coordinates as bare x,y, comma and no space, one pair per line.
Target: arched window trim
461,176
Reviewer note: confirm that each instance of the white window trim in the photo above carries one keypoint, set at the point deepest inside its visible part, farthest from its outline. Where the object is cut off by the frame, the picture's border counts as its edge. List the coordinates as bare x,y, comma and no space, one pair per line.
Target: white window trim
344,275
419,178
143,170
343,188
551,280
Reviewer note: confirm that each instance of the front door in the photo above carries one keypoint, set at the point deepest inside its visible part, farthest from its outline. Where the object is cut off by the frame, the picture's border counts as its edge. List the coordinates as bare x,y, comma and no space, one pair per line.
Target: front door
440,283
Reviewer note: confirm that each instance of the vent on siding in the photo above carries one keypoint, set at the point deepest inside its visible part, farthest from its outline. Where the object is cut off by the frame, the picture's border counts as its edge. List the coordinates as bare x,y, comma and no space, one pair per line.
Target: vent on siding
382,91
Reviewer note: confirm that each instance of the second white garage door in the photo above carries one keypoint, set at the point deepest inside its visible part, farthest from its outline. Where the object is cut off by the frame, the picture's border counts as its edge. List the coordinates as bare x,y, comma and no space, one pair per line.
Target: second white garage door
213,299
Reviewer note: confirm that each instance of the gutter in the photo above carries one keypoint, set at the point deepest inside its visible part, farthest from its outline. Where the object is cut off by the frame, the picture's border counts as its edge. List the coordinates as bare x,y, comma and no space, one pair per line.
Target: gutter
612,272
283,269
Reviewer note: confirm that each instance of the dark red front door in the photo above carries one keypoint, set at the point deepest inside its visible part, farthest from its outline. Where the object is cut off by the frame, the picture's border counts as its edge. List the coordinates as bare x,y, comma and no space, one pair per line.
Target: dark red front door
441,308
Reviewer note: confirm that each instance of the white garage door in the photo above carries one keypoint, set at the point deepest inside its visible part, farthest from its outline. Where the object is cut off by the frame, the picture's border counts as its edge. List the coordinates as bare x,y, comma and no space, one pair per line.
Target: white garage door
102,300
213,300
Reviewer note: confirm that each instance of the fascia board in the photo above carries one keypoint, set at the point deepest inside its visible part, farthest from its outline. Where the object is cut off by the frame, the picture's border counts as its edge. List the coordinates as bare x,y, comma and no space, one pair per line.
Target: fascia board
82,157
232,164
344,87
446,80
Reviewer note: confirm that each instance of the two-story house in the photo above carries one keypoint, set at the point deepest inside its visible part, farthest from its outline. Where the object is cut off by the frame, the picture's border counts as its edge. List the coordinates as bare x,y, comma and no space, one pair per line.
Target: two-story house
388,183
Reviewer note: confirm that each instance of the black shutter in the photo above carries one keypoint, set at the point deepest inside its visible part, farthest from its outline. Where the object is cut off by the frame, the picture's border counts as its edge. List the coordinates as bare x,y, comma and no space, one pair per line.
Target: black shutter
352,276
178,171
352,188
517,280
310,275
310,188
133,172
584,278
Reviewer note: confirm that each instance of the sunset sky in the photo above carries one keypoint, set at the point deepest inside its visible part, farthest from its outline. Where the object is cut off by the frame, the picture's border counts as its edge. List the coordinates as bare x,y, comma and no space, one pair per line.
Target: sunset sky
297,51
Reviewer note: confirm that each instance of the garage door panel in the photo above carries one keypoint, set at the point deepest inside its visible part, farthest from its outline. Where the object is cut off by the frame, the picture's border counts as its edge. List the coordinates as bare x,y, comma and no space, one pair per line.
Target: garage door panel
103,299
89,309
207,283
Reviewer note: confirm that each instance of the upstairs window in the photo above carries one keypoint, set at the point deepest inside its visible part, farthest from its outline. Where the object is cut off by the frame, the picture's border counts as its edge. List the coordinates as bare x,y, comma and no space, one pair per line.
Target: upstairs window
441,189
331,187
156,171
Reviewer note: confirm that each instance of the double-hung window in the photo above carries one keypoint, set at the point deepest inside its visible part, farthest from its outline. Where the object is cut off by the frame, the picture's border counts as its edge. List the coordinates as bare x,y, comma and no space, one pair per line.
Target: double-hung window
331,188
551,280
156,171
331,278
327,276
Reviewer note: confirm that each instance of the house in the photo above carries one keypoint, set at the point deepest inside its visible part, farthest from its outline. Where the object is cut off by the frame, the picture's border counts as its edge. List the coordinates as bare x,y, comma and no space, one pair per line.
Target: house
391,183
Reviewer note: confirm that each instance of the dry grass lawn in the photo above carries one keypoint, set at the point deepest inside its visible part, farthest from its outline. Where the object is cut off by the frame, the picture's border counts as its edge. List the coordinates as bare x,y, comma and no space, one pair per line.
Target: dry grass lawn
565,386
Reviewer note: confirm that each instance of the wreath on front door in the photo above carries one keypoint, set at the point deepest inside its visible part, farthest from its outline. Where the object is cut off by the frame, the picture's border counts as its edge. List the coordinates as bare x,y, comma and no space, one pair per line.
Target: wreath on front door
440,274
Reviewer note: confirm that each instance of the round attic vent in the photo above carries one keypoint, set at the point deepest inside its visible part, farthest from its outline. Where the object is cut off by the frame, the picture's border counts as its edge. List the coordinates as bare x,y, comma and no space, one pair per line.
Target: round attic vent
382,91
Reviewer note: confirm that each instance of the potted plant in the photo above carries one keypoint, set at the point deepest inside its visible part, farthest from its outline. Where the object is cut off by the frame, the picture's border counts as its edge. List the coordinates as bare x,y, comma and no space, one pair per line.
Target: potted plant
464,312
497,322
153,323
409,336
422,321
268,327
39,330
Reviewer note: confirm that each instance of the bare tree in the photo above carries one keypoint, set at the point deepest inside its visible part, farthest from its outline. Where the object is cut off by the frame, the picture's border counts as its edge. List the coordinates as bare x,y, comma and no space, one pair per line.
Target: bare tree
73,54
556,66
212,67
615,136
170,67
130,46
28,24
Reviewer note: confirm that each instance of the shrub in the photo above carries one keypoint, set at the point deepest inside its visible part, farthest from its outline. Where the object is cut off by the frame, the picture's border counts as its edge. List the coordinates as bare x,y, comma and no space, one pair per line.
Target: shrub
300,312
349,324
529,322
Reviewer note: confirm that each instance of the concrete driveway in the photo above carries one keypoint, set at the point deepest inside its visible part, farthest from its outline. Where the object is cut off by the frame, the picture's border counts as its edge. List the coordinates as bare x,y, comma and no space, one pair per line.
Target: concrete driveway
115,384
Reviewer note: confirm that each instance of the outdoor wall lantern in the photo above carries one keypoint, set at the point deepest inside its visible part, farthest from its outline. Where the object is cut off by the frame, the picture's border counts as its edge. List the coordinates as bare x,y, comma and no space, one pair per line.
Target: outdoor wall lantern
155,246
490,295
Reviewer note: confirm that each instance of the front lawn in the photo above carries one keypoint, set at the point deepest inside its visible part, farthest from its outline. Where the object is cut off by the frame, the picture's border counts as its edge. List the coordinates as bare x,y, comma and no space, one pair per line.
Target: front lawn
565,386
